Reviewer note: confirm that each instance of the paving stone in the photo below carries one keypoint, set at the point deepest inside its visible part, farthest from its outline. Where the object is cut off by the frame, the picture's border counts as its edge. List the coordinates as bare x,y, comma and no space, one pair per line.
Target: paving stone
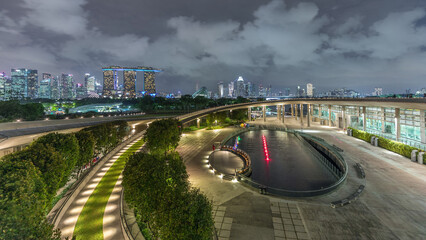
278,226
226,226
299,228
290,234
223,238
276,220
283,204
221,208
217,225
295,216
288,227
279,238
284,210
218,219
292,205
279,233
220,214
297,222
302,235
276,214
227,220
287,221
274,204
293,210
224,233
275,209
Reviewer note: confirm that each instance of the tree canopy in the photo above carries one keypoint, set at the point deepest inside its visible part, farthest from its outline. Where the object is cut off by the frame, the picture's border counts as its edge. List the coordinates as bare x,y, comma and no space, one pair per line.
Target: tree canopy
163,135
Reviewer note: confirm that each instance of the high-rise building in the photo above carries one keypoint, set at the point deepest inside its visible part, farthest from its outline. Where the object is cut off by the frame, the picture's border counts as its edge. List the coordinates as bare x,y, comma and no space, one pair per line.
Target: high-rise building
129,84
55,92
231,89
32,84
2,86
89,82
240,87
44,90
220,93
110,81
262,91
24,83
98,88
67,86
81,91
287,92
149,80
309,90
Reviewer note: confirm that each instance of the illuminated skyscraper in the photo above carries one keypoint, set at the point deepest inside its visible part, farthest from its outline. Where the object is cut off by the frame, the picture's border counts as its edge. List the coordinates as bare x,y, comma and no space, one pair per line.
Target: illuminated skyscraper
231,89
129,84
24,83
89,82
32,84
81,91
2,86
55,88
309,90
149,80
220,92
44,90
240,87
67,89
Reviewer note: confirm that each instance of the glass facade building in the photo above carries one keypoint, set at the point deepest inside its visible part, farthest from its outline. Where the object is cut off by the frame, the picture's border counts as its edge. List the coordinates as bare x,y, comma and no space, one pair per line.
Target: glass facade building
44,90
129,84
67,86
24,83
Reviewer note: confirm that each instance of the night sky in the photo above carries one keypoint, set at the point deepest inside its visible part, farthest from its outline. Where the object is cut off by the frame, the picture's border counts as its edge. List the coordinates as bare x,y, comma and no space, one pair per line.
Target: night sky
358,44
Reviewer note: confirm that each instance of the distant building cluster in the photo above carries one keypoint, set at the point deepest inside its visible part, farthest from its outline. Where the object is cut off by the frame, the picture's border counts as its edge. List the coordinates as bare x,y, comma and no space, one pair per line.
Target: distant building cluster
27,84
142,77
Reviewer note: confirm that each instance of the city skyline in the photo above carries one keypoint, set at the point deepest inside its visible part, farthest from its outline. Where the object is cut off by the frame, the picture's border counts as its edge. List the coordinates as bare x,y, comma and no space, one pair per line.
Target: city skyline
334,44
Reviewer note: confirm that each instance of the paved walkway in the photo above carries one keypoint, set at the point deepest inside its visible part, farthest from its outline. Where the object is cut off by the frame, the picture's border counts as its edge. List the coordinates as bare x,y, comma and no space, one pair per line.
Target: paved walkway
111,219
391,207
226,162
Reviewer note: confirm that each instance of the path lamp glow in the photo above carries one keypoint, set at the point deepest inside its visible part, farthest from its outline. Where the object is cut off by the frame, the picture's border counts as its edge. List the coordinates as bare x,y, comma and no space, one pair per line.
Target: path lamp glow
265,148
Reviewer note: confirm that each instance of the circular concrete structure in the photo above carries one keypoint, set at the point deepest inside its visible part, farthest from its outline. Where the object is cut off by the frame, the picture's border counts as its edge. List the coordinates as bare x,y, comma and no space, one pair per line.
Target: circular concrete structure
281,161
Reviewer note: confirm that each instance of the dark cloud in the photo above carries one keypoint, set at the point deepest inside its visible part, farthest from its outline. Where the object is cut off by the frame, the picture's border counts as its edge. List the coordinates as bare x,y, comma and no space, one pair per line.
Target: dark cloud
351,43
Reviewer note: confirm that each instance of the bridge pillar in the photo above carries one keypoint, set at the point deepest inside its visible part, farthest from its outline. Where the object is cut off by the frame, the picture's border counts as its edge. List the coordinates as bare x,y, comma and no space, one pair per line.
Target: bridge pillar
264,113
364,118
422,126
296,110
292,110
278,112
249,114
319,113
308,116
329,115
397,124
198,122
283,113
301,115
344,117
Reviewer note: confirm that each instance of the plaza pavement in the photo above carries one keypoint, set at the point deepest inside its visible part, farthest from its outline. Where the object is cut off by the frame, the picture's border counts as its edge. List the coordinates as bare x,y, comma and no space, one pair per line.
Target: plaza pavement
392,205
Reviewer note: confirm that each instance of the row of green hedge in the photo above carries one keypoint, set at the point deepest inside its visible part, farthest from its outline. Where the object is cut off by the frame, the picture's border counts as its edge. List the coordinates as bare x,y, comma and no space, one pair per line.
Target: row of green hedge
31,178
156,186
397,147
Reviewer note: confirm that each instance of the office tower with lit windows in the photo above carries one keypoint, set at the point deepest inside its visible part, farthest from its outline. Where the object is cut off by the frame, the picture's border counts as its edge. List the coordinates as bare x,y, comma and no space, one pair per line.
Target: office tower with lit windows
44,90
309,90
129,82
89,82
110,81
67,86
23,83
32,84
231,89
240,87
149,80
55,91
220,93
81,91
2,86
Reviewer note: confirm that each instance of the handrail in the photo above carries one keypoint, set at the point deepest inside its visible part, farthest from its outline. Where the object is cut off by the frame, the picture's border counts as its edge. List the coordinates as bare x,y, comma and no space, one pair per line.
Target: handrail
246,158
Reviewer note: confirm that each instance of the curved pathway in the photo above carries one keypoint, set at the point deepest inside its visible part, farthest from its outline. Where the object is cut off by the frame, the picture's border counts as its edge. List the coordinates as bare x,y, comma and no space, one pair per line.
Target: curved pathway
93,213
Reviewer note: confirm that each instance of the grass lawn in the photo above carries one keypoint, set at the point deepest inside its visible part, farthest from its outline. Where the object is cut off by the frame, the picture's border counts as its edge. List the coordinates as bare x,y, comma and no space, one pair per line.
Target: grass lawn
90,222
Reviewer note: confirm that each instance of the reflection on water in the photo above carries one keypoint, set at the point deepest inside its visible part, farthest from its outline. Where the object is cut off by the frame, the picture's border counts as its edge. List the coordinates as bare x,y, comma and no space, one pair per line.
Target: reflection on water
291,165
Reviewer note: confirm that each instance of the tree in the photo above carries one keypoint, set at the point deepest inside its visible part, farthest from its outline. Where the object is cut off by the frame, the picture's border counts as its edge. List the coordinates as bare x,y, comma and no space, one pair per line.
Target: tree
162,135
23,202
151,184
67,146
86,144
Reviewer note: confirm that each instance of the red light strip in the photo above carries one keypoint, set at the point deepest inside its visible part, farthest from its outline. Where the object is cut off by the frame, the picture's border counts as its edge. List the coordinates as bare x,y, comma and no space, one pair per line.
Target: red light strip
265,148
